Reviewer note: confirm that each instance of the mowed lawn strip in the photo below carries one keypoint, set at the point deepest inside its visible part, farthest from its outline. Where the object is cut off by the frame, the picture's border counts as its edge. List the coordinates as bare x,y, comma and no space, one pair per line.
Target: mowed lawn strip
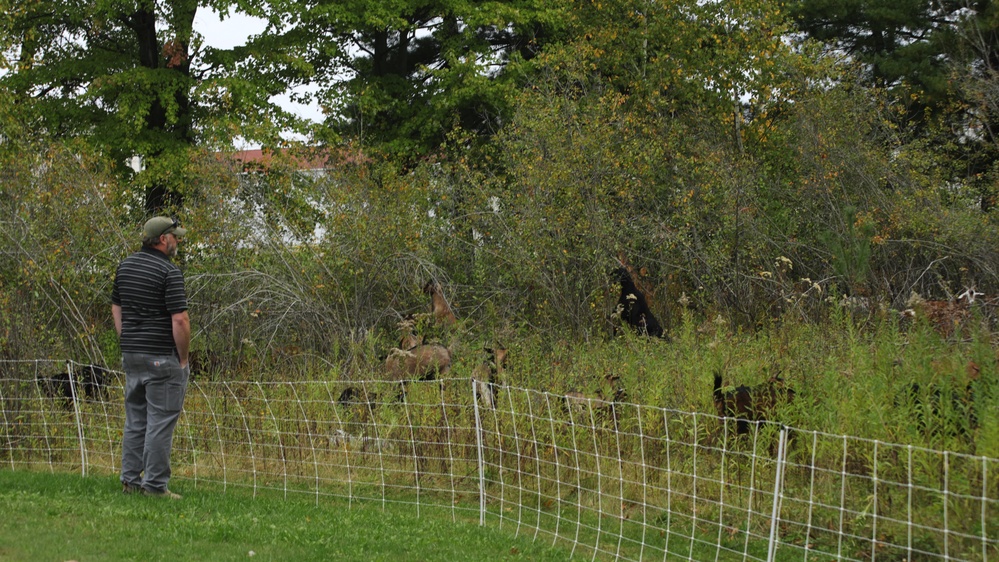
67,517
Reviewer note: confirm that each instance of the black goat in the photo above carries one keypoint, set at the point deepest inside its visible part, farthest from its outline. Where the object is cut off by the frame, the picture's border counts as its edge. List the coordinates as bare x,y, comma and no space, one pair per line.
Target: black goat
633,307
751,403
351,395
363,398
89,381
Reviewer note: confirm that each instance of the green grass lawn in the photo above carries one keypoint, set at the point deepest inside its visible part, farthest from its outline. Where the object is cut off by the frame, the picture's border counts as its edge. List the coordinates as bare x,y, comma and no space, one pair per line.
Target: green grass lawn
49,517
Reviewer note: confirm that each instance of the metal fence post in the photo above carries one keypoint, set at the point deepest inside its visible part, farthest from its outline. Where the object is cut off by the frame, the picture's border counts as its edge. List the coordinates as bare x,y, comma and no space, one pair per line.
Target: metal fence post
75,394
479,455
778,491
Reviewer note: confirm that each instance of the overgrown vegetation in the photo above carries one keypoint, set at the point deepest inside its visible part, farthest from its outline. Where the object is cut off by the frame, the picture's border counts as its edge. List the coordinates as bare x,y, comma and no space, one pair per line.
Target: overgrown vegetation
818,253
777,197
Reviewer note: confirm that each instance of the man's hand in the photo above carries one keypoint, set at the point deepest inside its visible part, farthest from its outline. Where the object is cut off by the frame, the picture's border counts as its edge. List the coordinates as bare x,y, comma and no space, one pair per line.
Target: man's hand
182,336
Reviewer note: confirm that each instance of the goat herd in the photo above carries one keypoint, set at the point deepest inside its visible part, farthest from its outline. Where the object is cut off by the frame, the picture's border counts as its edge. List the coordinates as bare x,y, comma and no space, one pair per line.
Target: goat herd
419,357
416,358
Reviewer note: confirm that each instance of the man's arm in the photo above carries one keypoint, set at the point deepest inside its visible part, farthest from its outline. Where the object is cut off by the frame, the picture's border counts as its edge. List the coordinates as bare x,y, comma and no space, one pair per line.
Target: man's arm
116,314
182,335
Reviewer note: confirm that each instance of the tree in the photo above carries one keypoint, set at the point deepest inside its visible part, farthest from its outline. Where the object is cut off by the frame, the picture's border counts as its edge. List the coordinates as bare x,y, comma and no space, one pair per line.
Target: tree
402,75
134,79
940,59
659,130
897,40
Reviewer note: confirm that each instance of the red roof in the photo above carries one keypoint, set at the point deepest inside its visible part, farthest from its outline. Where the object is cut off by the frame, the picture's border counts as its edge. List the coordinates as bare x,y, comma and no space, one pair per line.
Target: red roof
310,159
304,159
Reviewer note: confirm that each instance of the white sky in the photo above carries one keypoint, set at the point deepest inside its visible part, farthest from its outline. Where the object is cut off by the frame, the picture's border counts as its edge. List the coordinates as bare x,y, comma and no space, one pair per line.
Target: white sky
232,30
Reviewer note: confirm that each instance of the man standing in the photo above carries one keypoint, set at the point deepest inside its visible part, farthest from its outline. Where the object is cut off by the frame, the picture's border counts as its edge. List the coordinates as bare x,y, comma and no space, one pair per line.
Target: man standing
149,305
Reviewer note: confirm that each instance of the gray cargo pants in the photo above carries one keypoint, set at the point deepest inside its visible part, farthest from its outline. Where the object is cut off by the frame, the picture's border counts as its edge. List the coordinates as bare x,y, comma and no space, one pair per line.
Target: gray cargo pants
155,386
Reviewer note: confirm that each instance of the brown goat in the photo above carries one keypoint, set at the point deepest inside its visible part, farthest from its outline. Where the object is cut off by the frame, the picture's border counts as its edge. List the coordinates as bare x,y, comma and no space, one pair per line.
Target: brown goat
605,401
439,307
575,401
951,318
408,340
423,362
487,376
751,403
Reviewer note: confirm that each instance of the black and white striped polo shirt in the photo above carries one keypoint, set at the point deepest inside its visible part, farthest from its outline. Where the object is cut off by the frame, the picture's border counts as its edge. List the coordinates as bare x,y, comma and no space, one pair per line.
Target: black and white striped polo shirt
149,289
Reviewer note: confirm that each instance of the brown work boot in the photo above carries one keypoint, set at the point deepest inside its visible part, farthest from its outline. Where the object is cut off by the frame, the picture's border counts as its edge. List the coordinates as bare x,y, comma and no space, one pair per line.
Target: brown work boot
163,494
130,489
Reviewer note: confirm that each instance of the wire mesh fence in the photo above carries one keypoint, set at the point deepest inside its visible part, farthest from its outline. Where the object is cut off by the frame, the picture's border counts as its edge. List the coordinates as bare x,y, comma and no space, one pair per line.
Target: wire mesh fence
611,480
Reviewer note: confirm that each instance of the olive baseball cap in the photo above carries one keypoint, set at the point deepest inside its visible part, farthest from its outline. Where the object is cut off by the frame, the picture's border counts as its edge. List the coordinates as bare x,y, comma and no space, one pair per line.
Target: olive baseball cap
158,226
